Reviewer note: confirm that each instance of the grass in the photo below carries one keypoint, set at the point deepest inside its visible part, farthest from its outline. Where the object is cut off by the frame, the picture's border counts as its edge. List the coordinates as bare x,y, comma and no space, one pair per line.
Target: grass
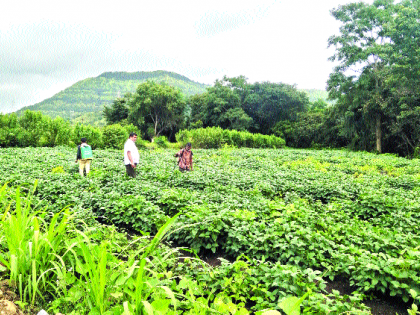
32,246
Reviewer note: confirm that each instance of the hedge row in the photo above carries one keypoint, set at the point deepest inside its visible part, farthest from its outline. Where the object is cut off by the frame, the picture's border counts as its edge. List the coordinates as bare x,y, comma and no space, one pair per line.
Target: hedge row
216,137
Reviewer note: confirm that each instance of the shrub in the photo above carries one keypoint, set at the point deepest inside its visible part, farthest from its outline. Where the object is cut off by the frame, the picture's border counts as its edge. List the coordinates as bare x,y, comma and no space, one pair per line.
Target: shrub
92,134
114,136
161,142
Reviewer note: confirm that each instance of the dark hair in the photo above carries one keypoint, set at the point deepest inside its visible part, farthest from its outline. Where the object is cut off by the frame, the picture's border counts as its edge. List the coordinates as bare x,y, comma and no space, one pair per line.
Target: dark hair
132,134
83,140
188,144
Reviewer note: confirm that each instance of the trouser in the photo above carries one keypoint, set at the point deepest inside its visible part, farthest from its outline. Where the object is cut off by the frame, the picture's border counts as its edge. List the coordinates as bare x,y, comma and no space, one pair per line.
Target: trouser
130,170
84,164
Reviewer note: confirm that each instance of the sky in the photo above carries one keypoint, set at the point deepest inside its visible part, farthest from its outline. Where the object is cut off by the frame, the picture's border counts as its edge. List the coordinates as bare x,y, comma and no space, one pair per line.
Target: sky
47,46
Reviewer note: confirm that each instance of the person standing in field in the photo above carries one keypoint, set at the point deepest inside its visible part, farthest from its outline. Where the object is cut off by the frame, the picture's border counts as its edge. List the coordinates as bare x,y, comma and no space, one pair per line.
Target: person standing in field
185,158
84,156
131,155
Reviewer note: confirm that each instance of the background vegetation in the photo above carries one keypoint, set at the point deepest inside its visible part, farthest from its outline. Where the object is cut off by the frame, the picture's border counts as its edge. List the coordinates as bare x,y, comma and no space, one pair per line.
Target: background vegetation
34,129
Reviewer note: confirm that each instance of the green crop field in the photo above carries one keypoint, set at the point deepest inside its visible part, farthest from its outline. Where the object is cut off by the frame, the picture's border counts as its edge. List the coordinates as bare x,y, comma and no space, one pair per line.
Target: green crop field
285,222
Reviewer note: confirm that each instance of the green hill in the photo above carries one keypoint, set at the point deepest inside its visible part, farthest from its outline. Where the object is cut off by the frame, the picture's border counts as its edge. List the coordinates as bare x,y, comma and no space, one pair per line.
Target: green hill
84,100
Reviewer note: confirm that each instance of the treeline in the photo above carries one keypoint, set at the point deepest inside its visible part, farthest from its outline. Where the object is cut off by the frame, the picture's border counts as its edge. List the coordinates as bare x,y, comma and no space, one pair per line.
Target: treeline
232,103
34,129
264,108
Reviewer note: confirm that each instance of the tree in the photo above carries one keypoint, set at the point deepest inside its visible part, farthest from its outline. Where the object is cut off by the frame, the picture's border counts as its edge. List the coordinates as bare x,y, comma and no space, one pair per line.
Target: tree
268,103
118,111
404,79
232,103
362,50
156,108
376,83
318,106
224,108
198,110
220,106
314,128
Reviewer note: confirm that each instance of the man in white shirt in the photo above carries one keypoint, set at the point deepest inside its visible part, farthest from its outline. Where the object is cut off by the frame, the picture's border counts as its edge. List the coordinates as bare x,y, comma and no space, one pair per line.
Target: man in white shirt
131,155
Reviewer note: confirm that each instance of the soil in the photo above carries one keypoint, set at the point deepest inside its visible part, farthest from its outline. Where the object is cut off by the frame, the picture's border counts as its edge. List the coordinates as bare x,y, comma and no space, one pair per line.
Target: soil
379,304
7,296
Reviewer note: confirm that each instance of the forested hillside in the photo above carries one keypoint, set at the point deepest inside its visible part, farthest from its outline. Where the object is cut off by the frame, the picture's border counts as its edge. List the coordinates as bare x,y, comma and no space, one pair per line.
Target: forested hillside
84,101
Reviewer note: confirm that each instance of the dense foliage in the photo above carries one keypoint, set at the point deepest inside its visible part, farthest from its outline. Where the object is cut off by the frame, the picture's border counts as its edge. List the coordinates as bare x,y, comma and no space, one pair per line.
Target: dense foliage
232,103
289,220
34,129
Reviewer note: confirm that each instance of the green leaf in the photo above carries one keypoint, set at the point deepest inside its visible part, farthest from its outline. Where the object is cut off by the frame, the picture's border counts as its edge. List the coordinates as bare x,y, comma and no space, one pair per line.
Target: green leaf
161,305
290,305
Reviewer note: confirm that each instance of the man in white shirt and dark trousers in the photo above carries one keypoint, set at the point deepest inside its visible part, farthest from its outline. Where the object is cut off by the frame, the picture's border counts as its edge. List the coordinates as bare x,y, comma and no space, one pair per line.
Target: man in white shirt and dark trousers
131,155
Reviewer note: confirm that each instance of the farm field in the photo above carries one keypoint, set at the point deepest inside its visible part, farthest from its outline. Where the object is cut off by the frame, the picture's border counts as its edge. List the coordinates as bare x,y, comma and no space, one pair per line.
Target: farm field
285,222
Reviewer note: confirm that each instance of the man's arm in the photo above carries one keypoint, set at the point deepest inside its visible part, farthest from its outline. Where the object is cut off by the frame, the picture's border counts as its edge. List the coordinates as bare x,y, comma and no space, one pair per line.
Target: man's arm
130,158
79,154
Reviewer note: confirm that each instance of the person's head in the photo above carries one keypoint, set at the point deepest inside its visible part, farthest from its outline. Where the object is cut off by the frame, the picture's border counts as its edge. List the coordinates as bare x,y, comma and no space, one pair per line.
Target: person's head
83,140
188,146
133,136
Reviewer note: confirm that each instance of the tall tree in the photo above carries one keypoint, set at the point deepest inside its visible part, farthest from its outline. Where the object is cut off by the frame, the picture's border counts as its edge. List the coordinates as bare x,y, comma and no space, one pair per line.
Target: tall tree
404,79
377,81
156,108
362,50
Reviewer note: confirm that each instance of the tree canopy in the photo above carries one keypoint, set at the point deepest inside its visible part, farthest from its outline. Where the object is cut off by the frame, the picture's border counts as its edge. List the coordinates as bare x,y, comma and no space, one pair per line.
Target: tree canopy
117,112
376,81
232,103
156,108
